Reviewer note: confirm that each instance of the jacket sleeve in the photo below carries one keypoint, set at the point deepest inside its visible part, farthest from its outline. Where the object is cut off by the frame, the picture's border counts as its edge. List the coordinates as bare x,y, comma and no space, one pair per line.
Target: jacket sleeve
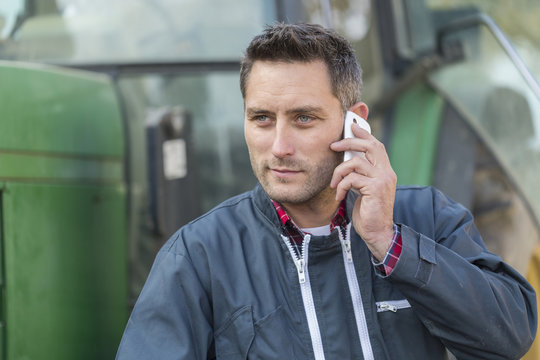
478,306
171,319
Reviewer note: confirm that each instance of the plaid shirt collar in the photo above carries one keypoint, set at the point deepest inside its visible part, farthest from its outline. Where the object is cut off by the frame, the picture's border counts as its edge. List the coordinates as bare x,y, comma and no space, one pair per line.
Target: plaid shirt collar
296,235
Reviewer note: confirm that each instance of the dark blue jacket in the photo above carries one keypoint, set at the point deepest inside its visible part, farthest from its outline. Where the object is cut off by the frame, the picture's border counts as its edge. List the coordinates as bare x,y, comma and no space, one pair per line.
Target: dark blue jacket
227,285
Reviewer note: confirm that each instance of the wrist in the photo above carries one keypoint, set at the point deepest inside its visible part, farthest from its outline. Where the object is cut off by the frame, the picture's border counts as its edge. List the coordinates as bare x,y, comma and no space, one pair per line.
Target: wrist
380,243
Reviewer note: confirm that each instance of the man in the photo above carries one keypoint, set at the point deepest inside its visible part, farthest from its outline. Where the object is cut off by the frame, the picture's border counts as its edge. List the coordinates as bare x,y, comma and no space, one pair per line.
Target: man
303,268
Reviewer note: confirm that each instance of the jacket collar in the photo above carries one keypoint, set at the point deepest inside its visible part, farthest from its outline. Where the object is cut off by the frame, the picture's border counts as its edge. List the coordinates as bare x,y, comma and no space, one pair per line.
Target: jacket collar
265,206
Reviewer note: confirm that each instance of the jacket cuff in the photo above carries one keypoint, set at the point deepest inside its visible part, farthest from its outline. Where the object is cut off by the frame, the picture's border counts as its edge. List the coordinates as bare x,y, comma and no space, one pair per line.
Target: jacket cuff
417,259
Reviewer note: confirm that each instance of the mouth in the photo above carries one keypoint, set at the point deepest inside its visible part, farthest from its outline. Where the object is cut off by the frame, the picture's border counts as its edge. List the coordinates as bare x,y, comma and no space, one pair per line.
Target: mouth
284,172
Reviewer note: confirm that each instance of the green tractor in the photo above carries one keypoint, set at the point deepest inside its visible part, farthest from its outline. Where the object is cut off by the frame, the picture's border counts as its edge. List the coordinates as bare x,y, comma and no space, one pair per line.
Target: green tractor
121,121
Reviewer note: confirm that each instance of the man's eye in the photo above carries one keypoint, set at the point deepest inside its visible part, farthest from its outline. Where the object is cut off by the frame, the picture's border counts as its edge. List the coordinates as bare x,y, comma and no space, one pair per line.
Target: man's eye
261,118
304,119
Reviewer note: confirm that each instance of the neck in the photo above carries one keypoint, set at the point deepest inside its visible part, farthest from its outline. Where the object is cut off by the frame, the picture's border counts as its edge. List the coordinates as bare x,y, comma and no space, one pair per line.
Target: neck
318,211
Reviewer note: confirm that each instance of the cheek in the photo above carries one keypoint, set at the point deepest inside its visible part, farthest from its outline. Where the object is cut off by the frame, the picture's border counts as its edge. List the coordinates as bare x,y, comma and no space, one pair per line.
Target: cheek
326,138
257,139
337,132
249,137
255,143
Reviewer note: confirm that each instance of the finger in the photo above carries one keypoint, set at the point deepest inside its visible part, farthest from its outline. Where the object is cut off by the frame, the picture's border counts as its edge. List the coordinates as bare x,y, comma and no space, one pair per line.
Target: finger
374,149
377,154
341,189
357,164
359,132
350,144
351,181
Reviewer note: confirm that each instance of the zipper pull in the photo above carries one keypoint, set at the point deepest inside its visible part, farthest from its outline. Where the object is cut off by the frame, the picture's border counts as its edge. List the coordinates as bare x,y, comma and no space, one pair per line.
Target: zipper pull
385,306
348,251
346,241
301,263
300,266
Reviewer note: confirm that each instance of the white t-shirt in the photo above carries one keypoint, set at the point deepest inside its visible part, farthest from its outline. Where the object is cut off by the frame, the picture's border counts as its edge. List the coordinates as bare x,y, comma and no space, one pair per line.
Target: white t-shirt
318,231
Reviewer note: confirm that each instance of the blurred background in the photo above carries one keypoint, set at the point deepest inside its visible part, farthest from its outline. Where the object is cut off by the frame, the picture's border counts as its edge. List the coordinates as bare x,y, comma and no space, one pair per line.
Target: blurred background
122,120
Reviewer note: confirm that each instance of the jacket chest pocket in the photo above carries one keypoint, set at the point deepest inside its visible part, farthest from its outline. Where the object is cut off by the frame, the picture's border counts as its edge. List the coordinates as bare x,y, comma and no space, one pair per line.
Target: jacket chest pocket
405,335
270,337
396,317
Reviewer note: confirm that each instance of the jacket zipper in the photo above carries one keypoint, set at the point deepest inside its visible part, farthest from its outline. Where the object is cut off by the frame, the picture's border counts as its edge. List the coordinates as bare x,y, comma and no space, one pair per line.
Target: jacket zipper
392,305
356,296
301,263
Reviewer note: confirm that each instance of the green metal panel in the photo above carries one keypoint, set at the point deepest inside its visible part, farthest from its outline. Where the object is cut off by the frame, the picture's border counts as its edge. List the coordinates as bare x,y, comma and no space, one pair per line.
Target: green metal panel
41,166
45,109
2,287
416,127
65,271
63,212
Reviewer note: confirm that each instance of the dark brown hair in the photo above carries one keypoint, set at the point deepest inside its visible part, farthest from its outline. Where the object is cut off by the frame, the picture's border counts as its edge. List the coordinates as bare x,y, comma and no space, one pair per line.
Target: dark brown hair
306,43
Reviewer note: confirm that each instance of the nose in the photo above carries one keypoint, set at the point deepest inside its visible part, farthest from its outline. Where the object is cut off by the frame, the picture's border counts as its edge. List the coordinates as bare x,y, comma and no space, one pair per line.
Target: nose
283,144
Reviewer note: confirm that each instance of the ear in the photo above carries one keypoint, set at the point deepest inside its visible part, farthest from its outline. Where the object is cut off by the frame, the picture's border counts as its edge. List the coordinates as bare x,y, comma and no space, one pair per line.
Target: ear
360,108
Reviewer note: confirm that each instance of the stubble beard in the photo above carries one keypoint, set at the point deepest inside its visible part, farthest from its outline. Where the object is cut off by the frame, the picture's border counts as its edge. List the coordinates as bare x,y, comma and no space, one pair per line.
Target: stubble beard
316,179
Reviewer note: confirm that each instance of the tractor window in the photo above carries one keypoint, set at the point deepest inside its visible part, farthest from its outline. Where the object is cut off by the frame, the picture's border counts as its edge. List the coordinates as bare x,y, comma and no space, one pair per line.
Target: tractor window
502,107
503,110
77,31
518,19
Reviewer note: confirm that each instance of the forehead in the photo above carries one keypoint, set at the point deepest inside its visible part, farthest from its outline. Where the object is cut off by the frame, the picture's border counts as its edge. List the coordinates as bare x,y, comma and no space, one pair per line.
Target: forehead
279,80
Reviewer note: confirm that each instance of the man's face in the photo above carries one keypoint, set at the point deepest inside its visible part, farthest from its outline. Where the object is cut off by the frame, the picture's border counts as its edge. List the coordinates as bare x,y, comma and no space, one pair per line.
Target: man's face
291,118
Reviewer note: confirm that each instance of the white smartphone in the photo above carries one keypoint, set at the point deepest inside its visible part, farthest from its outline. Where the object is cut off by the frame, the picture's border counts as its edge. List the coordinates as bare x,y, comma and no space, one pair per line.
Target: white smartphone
352,118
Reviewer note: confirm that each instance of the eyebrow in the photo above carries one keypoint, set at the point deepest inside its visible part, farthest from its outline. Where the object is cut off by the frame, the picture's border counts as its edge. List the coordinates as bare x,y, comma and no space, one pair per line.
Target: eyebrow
256,111
306,109
298,110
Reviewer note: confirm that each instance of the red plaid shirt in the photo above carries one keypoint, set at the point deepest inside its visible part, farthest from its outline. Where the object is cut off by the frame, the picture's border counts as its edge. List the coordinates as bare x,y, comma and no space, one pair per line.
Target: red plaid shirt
387,265
340,220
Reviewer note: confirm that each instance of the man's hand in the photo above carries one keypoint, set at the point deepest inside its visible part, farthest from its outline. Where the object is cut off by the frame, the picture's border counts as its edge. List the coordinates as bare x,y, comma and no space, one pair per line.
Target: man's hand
375,180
